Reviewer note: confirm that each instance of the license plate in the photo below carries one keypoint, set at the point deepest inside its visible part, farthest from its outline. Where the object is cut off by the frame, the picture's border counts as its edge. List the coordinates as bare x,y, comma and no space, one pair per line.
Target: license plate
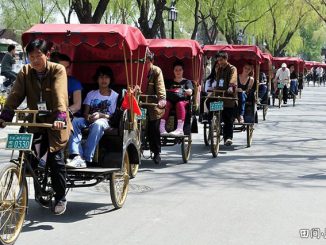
280,85
216,106
143,114
19,142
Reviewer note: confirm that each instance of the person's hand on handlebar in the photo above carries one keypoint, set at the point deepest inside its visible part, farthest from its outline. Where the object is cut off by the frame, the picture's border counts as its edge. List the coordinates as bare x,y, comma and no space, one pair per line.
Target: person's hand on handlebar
230,90
161,103
58,125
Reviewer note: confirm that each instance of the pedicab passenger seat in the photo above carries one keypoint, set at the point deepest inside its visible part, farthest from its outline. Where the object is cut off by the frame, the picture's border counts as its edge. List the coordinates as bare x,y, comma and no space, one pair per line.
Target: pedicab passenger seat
115,129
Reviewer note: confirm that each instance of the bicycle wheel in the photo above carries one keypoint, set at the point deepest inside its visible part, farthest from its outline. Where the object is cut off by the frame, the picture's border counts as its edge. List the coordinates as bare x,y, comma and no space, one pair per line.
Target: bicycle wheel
206,134
250,132
293,99
13,203
280,97
186,148
265,107
119,183
214,131
133,170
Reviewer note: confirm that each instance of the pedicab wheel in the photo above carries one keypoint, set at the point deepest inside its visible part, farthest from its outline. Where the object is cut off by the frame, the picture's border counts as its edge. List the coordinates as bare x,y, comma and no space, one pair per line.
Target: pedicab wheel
265,107
186,148
133,170
13,203
279,101
206,134
214,131
293,99
250,132
119,183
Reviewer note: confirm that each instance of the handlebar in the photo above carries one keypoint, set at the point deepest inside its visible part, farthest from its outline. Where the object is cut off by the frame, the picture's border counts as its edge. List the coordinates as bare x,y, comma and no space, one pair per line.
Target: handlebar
20,115
40,125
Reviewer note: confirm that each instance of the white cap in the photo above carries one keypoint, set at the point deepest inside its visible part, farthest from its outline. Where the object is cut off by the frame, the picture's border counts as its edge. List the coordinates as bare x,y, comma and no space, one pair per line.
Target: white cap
284,65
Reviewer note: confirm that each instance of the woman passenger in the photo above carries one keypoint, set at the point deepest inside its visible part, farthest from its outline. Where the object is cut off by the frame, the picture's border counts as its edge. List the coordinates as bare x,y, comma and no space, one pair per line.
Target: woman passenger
99,106
177,93
245,83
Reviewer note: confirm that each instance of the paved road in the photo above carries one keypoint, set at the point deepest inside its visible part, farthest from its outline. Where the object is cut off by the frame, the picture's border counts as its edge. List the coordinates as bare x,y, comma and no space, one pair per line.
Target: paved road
259,195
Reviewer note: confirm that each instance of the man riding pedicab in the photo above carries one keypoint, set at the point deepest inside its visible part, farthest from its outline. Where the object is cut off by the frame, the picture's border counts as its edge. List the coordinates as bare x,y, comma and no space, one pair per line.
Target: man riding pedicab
226,80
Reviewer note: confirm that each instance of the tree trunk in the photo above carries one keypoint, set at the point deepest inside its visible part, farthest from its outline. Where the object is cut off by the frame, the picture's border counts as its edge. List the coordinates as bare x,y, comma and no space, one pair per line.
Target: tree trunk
158,23
83,9
194,33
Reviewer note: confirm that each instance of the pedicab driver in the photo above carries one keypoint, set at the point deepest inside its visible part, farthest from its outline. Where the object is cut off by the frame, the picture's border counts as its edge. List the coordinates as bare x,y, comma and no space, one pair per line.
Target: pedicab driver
226,79
283,76
155,87
44,84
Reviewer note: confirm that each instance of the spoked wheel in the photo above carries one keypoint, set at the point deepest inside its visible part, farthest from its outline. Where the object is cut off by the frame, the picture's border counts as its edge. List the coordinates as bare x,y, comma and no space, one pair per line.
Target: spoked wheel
214,131
250,132
13,203
119,183
280,99
133,170
293,99
265,107
206,134
186,148
44,195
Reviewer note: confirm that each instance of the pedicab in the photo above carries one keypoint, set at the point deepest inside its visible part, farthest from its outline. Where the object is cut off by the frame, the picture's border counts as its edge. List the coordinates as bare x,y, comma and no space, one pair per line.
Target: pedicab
264,96
166,52
310,76
293,90
238,55
321,78
118,154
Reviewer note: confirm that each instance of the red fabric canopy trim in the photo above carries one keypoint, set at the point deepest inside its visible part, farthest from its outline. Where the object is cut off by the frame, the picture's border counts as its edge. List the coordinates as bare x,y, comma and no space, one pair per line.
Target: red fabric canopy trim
236,52
180,48
91,34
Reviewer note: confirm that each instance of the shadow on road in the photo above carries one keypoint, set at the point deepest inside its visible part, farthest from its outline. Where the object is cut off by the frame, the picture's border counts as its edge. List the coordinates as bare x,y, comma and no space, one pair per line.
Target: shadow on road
76,211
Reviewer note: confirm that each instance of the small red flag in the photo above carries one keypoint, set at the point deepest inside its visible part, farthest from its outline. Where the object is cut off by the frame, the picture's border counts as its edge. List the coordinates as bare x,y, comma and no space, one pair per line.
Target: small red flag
126,105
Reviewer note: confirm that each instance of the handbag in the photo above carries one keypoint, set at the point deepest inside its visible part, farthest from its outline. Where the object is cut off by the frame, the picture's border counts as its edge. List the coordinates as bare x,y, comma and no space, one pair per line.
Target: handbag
175,96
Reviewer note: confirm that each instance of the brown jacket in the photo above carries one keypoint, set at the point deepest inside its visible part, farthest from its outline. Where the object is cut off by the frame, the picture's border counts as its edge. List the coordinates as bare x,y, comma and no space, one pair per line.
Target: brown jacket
54,92
156,87
229,75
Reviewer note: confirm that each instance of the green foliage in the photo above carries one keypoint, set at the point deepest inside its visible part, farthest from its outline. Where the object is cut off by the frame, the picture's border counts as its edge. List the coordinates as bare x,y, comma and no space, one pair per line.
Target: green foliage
21,15
288,27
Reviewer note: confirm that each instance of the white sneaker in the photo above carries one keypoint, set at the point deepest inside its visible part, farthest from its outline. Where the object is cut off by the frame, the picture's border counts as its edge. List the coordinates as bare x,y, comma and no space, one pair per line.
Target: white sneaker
177,132
77,162
228,142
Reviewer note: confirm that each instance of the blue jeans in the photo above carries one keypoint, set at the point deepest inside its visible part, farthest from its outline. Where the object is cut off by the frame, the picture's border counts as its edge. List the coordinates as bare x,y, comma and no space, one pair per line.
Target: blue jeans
242,96
294,86
96,131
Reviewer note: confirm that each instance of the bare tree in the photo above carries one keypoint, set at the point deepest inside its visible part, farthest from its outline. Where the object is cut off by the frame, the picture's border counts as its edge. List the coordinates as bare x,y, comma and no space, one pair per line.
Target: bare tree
145,18
83,9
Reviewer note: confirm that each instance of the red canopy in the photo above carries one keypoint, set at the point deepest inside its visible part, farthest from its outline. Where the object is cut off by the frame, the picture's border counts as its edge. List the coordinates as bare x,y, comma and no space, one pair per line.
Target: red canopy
266,65
90,45
180,48
319,64
235,52
238,55
166,51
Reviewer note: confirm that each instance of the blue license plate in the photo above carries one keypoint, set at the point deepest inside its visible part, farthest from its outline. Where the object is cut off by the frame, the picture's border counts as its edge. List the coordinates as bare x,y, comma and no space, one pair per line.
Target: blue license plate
216,106
143,114
19,142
